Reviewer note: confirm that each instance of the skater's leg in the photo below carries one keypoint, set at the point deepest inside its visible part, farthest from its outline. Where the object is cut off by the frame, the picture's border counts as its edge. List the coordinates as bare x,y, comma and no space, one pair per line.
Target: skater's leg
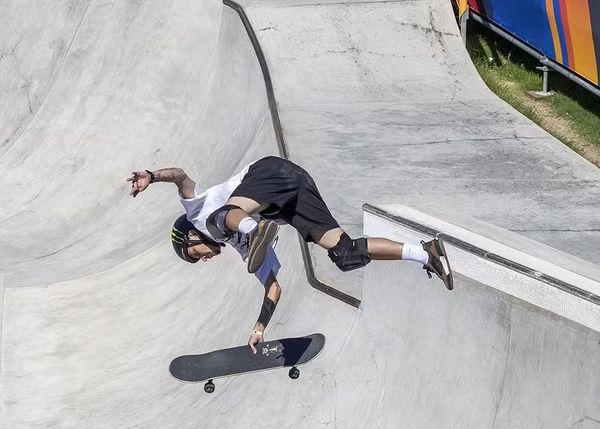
349,254
330,238
225,222
384,249
430,254
379,248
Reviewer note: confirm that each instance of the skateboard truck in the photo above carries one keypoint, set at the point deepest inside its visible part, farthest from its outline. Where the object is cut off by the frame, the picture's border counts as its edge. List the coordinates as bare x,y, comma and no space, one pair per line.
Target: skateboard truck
209,386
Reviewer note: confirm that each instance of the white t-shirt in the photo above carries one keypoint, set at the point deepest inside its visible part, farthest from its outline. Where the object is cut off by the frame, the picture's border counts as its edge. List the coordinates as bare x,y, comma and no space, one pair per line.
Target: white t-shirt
205,202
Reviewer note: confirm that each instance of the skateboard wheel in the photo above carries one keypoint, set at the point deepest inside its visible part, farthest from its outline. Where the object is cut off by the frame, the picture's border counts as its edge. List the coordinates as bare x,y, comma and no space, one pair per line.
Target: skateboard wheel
209,387
294,373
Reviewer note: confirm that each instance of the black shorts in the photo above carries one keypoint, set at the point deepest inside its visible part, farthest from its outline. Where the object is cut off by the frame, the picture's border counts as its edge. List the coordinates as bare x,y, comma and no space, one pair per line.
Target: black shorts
291,195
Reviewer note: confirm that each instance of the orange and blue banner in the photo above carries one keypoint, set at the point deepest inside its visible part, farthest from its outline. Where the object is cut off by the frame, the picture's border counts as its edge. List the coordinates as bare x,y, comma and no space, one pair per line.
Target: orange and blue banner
566,31
463,6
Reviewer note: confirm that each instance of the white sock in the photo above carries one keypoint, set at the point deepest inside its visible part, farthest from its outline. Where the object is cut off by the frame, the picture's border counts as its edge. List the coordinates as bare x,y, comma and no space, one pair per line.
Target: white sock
247,225
411,252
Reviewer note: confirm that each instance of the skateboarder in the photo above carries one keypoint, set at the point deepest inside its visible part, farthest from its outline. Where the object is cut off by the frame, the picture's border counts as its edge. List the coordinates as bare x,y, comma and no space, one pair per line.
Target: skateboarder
245,211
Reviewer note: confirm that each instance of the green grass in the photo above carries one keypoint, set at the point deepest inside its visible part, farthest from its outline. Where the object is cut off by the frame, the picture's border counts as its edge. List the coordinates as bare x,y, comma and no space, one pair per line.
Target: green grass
511,73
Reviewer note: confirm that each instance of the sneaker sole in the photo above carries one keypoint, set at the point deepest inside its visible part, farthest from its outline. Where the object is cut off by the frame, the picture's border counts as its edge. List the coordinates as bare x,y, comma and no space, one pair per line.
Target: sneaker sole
445,264
257,256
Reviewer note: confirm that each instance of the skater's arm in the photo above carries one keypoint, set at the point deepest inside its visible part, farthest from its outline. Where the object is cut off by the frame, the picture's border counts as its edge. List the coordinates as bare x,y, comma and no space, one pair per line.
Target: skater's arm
140,180
272,295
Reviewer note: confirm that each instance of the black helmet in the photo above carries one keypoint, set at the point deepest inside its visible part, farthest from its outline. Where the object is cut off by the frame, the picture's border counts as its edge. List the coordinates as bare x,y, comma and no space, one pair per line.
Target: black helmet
180,240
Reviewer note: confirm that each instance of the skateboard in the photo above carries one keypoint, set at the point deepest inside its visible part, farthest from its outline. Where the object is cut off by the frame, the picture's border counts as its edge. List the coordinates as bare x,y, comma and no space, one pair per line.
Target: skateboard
282,353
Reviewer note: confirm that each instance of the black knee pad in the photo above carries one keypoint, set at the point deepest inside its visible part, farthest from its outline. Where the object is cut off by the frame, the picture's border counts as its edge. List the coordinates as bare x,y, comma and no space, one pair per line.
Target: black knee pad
215,223
350,254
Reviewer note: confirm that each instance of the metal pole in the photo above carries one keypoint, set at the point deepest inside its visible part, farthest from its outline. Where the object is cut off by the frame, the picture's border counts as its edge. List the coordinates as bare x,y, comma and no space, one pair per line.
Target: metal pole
310,273
464,19
544,92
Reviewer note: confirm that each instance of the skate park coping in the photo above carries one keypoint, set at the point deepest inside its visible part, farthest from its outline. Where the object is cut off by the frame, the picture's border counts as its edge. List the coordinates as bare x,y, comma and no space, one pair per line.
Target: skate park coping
498,258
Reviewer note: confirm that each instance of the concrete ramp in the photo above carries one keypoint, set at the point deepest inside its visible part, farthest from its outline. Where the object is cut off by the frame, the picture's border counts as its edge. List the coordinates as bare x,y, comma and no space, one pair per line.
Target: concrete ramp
378,100
477,356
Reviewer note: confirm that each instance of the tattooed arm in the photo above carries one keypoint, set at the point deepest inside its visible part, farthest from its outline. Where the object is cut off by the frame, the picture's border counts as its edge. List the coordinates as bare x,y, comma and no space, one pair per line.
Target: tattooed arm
140,180
272,295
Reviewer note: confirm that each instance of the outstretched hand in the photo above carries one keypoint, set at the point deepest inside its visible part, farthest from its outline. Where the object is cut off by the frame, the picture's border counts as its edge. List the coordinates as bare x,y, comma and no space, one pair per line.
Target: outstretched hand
140,180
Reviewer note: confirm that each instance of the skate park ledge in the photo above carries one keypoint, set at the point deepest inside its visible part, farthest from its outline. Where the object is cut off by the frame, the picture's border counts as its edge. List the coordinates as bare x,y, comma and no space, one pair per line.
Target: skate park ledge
498,258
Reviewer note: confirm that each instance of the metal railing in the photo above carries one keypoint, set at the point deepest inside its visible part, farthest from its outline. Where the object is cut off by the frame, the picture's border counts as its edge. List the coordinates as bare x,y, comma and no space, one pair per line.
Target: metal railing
308,266
534,53
485,254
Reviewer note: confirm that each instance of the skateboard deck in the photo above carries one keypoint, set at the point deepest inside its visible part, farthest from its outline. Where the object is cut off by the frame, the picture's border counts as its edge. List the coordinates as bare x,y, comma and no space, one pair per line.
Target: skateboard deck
285,352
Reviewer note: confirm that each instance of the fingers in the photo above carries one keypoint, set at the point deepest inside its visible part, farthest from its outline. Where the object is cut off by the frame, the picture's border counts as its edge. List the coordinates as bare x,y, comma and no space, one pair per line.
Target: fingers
253,341
135,176
135,188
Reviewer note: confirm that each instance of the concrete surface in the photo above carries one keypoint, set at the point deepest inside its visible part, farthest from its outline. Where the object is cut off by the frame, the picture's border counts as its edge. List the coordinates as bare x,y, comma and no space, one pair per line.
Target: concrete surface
380,102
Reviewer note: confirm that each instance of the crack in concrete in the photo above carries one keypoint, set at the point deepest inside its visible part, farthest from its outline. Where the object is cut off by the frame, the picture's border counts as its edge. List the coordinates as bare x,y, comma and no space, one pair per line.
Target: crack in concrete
53,253
71,7
583,419
445,141
352,49
436,33
267,28
26,87
335,386
504,374
57,73
9,54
